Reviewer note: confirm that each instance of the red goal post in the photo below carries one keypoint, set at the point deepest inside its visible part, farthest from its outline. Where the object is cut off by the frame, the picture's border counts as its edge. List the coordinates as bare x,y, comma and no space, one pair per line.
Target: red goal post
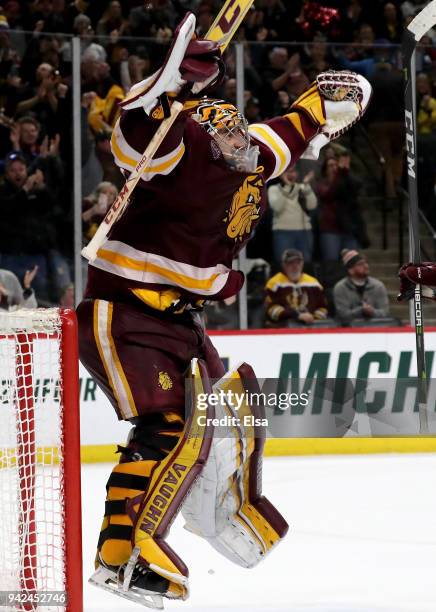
40,495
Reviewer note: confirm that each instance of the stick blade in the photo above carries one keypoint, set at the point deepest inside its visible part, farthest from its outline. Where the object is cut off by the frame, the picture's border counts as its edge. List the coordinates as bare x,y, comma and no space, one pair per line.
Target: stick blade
228,21
423,21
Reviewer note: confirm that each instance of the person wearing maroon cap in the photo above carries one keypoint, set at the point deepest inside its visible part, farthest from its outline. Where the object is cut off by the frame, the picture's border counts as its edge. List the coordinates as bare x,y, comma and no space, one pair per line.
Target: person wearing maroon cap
359,295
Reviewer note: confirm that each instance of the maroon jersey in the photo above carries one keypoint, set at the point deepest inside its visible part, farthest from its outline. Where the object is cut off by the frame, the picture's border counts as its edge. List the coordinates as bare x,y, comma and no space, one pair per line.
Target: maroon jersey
286,299
191,213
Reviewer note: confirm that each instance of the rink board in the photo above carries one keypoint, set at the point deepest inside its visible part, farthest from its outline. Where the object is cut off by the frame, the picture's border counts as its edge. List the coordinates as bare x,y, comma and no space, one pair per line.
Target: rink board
267,351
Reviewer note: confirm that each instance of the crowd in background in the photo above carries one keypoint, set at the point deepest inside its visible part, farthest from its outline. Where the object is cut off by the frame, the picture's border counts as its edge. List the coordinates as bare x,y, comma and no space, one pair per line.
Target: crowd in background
314,208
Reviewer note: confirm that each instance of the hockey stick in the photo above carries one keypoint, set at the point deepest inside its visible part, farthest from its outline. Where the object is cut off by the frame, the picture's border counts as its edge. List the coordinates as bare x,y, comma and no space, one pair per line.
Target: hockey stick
416,29
222,31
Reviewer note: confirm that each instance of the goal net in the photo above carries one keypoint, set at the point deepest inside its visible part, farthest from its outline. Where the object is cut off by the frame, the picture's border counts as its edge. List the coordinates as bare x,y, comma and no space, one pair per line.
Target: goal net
40,554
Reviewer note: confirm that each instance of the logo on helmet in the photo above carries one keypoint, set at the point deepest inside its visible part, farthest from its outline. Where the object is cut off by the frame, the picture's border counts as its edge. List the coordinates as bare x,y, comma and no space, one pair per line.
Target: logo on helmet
216,115
229,130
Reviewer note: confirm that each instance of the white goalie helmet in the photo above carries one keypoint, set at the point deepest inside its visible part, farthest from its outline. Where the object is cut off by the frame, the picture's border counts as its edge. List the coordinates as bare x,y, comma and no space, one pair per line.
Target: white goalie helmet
229,128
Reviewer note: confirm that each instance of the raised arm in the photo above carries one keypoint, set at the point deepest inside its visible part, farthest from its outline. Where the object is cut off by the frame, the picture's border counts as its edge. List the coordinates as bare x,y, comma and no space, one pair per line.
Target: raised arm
334,102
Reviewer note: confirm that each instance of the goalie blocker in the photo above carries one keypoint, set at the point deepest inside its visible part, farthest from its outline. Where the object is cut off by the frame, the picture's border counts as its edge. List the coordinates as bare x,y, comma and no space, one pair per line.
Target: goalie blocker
225,506
423,274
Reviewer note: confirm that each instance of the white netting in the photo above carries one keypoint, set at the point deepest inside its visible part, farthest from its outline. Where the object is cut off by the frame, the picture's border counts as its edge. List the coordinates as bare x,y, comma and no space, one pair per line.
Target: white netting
31,484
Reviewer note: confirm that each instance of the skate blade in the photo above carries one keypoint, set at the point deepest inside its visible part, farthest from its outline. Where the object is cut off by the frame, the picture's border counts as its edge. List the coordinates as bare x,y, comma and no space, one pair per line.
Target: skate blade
107,580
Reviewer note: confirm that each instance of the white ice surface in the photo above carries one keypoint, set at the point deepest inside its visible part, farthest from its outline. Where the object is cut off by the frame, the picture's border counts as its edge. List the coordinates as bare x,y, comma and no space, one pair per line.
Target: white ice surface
362,539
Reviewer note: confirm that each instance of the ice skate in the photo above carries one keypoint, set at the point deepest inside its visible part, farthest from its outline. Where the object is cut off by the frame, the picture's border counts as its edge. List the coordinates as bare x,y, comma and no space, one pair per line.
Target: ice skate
138,583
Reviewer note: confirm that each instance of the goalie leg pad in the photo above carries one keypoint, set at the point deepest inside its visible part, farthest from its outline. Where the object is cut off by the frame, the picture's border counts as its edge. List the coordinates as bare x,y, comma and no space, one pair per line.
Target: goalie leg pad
144,497
226,505
150,441
170,482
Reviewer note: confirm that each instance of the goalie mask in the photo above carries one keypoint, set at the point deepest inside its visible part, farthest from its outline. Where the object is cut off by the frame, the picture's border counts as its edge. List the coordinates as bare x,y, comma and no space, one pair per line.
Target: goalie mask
229,129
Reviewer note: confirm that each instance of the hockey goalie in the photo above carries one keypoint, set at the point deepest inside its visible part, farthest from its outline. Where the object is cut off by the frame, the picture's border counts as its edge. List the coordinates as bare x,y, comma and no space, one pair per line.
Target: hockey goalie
140,330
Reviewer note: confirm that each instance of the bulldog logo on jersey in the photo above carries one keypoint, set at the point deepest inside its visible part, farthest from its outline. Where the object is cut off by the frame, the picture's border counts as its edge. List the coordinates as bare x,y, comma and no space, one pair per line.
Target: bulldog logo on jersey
244,209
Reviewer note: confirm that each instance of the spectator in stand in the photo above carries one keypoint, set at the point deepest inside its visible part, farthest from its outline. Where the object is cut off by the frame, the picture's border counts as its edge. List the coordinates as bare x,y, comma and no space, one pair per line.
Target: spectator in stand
366,39
13,14
89,49
140,21
12,294
285,72
29,229
112,20
318,57
40,49
12,90
51,165
24,136
282,103
253,24
389,25
8,55
44,98
411,7
67,297
378,56
293,296
204,19
358,56
103,112
148,19
252,79
426,121
252,110
359,296
132,68
93,9
425,55
92,172
386,120
82,27
291,203
277,75
230,91
354,16
41,11
340,222
49,47
95,207
275,20
426,104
